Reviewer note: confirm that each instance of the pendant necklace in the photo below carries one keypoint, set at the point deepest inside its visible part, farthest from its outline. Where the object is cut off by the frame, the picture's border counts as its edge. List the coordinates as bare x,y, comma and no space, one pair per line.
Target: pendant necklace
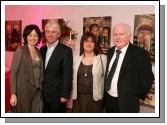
85,74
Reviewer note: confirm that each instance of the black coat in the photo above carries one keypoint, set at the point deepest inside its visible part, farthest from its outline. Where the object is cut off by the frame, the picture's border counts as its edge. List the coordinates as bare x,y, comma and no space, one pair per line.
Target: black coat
58,73
135,78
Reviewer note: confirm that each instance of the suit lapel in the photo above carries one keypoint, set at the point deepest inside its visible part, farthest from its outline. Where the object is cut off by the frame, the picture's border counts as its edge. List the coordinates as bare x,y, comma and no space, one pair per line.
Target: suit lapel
110,55
77,64
96,60
125,60
44,54
56,53
29,65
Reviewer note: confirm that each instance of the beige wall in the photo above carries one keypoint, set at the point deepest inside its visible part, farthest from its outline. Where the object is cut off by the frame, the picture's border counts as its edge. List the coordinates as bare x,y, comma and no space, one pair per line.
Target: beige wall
35,14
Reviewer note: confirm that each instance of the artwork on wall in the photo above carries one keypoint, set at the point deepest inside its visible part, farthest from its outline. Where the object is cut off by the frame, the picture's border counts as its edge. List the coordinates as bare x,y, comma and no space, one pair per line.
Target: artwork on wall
144,33
101,27
12,35
68,35
144,37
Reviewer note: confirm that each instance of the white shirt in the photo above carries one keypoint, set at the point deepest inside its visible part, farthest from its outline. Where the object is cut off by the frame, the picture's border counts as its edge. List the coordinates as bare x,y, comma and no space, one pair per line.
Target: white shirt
113,88
49,52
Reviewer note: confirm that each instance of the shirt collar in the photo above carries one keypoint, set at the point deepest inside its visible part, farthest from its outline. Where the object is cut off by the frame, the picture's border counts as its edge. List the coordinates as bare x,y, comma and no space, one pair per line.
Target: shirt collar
52,45
123,50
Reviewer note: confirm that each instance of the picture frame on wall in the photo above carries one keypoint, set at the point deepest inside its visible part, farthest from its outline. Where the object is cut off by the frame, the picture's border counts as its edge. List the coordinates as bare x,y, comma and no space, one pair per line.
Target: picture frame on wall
144,33
13,34
101,28
144,37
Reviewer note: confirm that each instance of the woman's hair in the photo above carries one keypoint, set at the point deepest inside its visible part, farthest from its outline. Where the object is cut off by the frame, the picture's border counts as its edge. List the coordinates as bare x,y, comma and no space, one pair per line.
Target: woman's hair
85,36
28,29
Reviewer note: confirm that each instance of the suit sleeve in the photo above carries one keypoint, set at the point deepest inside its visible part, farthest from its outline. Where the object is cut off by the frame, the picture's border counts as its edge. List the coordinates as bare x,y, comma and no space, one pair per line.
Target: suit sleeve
146,75
67,73
14,70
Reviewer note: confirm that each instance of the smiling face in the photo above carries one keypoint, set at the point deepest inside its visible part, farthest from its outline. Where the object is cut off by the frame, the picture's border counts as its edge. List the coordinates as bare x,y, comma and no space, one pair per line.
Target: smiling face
32,38
88,45
121,35
52,31
51,34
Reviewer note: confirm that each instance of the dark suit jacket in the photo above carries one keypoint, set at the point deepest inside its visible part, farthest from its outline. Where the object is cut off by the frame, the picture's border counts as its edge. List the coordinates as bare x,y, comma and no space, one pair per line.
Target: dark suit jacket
58,73
135,78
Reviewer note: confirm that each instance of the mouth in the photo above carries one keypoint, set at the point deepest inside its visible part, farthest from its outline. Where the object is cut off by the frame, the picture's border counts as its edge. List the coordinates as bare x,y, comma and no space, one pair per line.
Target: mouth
118,41
33,41
88,47
50,38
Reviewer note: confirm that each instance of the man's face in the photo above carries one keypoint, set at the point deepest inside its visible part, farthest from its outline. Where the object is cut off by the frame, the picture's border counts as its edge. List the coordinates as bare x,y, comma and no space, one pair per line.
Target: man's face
121,36
95,31
51,34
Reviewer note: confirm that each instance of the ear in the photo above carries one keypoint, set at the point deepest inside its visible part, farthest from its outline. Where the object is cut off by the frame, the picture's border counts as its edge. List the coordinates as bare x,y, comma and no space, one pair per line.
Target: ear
130,35
59,34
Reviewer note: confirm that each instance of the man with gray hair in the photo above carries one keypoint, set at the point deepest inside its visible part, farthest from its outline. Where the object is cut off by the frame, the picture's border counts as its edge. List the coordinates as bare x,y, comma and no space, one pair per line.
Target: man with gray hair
58,61
128,75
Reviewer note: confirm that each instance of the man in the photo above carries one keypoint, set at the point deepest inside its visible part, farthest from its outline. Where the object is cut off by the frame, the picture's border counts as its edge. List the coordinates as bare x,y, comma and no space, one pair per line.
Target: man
95,30
58,70
128,75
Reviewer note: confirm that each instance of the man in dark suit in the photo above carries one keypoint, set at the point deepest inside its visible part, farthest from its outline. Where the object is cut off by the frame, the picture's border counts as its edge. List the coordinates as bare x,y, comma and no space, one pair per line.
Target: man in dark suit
128,75
58,63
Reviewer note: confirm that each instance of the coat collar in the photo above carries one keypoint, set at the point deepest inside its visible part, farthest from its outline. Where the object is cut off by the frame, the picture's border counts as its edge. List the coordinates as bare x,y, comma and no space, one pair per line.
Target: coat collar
79,59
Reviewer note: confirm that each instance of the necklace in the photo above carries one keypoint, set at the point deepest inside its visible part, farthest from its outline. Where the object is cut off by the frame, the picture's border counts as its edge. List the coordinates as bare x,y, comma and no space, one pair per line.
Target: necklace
86,62
85,74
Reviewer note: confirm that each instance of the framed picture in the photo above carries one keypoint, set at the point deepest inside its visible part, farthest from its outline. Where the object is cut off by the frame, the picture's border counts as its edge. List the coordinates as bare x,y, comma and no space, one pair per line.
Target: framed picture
101,27
144,33
13,35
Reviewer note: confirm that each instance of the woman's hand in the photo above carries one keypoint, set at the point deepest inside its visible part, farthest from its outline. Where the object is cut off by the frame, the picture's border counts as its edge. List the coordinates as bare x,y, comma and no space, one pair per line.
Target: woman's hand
13,100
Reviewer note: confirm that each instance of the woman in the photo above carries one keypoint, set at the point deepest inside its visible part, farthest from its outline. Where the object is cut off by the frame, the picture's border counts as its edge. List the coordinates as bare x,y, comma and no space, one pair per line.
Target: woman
88,77
27,73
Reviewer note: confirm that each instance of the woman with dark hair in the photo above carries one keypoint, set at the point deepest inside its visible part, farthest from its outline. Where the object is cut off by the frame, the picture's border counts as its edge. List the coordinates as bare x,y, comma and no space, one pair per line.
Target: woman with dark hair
88,77
27,74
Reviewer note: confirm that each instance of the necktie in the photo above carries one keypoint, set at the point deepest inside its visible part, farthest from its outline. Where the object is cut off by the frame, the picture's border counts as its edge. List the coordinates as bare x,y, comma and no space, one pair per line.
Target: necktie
112,71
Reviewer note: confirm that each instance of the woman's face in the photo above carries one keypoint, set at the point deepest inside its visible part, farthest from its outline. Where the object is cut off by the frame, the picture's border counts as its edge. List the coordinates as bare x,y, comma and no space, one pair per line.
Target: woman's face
32,38
95,31
88,45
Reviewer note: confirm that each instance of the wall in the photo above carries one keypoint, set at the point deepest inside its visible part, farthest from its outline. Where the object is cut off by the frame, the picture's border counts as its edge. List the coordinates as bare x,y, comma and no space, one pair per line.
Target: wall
34,14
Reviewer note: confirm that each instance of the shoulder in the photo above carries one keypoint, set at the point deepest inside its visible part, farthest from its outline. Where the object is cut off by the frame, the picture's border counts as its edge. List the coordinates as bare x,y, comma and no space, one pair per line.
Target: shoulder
77,57
111,49
64,47
43,47
139,50
101,56
20,49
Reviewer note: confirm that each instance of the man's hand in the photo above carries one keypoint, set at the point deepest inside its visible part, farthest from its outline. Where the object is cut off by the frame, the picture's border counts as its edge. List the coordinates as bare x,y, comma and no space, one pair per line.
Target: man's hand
63,100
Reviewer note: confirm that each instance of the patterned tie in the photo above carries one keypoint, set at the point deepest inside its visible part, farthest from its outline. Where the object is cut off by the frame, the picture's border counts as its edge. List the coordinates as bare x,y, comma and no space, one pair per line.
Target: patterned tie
112,71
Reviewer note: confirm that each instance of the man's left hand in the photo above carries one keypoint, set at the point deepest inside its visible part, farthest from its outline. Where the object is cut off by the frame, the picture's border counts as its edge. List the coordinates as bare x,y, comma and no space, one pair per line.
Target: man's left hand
63,100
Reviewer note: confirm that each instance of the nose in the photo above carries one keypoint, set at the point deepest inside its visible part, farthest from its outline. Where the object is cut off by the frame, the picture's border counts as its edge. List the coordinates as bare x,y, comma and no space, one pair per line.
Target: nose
117,37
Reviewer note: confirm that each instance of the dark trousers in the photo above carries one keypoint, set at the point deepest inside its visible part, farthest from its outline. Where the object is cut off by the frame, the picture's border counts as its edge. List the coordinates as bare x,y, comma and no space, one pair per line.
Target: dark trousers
111,104
54,107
